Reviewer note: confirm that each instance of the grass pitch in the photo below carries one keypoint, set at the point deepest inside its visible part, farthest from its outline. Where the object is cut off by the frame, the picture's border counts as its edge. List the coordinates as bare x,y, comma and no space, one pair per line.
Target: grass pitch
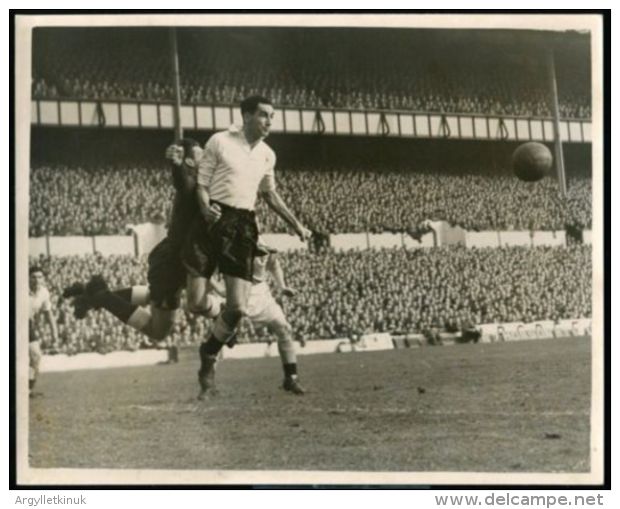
511,407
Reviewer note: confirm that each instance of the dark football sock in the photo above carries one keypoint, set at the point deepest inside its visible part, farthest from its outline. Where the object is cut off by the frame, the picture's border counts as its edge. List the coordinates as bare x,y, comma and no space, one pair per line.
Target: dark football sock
290,370
212,346
116,305
232,341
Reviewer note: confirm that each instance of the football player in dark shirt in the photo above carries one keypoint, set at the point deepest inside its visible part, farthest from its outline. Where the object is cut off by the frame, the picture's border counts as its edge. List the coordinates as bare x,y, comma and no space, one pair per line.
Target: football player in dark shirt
166,273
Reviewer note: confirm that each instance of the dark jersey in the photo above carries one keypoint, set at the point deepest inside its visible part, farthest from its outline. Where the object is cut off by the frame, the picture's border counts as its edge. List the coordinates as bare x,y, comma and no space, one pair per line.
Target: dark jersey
185,206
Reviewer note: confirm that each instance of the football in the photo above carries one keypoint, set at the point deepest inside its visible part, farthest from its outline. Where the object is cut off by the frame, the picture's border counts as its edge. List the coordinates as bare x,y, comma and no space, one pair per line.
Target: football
531,161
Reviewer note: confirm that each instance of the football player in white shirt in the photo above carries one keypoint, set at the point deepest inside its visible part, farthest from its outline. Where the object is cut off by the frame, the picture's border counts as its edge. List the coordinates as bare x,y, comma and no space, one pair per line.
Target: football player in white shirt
236,167
39,303
264,310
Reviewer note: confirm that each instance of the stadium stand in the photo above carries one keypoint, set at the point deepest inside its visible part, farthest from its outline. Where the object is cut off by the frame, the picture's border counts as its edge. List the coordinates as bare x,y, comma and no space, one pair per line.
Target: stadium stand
91,182
390,290
430,72
102,200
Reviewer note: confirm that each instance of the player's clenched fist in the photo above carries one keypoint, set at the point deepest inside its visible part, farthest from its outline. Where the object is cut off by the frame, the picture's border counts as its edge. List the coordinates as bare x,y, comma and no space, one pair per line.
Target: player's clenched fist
212,213
288,292
174,154
303,233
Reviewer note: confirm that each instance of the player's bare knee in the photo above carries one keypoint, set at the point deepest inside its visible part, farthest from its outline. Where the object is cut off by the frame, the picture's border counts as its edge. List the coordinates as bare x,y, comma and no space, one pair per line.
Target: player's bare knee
208,307
193,304
194,307
283,331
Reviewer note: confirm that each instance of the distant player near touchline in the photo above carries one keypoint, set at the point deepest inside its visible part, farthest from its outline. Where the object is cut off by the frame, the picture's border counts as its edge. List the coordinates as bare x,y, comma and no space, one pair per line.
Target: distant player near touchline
236,167
166,273
38,302
263,310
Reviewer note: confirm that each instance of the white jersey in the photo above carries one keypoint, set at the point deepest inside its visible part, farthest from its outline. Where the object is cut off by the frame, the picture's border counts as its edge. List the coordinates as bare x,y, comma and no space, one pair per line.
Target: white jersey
233,172
39,301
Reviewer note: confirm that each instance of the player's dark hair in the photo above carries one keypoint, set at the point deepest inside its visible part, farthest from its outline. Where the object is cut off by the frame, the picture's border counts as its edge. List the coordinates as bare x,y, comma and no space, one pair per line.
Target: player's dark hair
250,104
34,269
188,144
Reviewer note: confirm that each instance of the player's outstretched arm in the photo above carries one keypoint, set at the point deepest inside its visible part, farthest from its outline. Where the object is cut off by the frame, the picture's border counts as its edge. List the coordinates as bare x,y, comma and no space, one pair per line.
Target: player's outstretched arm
275,268
183,177
174,154
276,203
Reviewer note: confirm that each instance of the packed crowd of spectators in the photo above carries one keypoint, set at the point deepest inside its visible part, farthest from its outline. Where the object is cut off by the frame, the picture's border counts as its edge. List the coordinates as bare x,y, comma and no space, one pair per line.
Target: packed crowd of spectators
399,199
312,74
96,200
410,291
341,293
93,200
420,94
